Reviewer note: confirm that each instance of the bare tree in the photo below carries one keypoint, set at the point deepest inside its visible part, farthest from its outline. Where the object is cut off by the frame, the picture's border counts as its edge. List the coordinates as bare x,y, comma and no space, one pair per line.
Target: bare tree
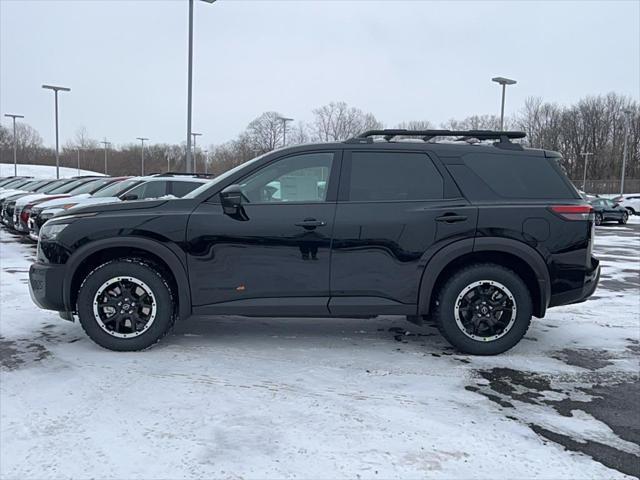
416,125
265,133
337,121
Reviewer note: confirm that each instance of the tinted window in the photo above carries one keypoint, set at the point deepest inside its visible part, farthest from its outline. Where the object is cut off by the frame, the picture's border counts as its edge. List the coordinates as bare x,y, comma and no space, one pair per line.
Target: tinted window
384,176
54,186
180,189
117,188
299,178
68,186
91,186
519,176
151,189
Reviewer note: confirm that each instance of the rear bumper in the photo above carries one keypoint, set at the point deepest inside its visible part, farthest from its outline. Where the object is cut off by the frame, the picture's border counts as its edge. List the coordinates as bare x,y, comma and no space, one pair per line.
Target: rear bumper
45,286
591,278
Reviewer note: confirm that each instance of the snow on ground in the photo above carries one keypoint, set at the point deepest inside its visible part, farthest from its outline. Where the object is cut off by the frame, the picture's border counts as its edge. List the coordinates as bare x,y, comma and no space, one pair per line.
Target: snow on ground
324,398
42,171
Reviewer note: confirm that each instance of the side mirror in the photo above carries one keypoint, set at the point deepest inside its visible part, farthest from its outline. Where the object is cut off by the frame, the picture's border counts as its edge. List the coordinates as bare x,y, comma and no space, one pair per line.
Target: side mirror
231,199
130,196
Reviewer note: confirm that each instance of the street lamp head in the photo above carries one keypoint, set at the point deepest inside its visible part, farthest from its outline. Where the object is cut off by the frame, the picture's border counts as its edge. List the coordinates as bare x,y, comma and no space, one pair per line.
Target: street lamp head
196,134
13,115
503,81
144,139
285,119
209,1
53,87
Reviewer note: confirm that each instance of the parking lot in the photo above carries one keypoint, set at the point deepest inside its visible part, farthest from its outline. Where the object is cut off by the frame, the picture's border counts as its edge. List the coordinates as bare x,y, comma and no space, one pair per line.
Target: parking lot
325,398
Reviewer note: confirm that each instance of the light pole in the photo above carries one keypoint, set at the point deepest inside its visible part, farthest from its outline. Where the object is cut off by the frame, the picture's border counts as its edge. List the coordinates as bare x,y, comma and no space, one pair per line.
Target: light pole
15,141
504,82
206,161
78,161
189,84
584,176
55,91
195,152
142,139
284,121
627,115
106,145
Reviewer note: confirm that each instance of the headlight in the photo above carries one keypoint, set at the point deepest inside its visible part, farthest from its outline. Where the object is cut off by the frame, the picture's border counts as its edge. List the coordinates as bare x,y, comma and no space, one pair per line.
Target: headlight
51,231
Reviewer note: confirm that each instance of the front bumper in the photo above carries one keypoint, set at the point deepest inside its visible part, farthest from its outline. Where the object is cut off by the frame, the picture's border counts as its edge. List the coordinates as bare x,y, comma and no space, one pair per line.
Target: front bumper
45,286
578,295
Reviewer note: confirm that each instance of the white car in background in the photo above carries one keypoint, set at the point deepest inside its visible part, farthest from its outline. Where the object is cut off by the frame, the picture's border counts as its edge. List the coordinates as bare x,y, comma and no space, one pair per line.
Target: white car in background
630,201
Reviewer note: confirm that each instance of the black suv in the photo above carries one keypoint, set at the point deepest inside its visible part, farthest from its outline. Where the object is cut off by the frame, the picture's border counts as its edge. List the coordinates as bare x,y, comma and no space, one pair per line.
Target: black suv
479,237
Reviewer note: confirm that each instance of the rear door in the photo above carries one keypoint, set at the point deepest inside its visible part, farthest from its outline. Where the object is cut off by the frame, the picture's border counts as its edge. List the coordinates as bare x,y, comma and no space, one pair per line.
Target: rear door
395,209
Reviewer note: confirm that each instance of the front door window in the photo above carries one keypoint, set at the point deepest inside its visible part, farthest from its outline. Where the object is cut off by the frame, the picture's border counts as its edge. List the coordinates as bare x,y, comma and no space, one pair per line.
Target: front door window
299,178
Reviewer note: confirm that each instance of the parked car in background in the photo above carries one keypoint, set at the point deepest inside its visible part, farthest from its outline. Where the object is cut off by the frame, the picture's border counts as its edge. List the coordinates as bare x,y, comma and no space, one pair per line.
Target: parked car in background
7,203
56,189
11,183
18,186
137,188
630,201
609,211
88,190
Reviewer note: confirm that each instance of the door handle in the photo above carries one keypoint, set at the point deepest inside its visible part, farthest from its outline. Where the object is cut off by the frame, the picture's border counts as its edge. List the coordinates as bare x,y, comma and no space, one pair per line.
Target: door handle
311,223
451,218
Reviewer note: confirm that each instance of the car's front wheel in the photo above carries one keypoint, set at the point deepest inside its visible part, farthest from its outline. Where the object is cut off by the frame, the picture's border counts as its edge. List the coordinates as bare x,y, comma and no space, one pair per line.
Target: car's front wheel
126,304
483,309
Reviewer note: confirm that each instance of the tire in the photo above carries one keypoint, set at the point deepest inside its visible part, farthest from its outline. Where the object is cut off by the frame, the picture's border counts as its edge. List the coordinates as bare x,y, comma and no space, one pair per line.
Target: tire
449,318
155,304
624,219
598,219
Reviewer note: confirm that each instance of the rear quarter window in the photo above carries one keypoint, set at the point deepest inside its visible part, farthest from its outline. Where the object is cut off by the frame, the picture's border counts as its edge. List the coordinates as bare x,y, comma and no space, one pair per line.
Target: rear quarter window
519,176
180,189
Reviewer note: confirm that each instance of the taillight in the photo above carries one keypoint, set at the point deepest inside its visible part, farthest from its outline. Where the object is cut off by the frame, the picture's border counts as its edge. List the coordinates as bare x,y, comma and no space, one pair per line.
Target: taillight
572,212
24,214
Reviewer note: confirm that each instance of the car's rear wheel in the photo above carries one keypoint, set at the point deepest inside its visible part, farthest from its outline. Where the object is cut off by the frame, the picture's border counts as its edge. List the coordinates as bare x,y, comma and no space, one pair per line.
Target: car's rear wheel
598,219
483,309
624,219
126,305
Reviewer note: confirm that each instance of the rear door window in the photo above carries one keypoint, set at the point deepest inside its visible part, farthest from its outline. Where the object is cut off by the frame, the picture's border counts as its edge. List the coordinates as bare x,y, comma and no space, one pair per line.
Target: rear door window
180,189
393,176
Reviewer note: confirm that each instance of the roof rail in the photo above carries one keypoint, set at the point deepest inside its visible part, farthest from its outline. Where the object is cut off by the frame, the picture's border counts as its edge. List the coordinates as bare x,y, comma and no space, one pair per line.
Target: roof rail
182,174
503,137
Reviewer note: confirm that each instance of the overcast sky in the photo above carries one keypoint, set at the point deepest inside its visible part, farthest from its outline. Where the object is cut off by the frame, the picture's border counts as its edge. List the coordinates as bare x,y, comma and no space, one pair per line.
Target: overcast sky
126,61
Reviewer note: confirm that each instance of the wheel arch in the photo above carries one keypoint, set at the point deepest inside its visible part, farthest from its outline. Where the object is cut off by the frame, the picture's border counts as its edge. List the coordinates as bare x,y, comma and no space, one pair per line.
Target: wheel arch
96,253
513,254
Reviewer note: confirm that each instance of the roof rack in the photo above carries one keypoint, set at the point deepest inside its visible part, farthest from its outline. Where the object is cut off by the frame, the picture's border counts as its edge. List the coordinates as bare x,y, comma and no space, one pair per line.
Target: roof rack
503,137
182,174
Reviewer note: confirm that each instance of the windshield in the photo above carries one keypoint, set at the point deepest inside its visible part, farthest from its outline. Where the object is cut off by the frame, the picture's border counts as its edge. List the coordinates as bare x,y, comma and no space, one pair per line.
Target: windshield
117,188
67,186
40,186
53,186
91,186
18,183
212,184
28,186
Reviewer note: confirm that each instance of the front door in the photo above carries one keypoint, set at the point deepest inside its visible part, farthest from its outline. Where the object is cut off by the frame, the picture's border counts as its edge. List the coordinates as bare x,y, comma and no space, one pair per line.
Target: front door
275,259
392,212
